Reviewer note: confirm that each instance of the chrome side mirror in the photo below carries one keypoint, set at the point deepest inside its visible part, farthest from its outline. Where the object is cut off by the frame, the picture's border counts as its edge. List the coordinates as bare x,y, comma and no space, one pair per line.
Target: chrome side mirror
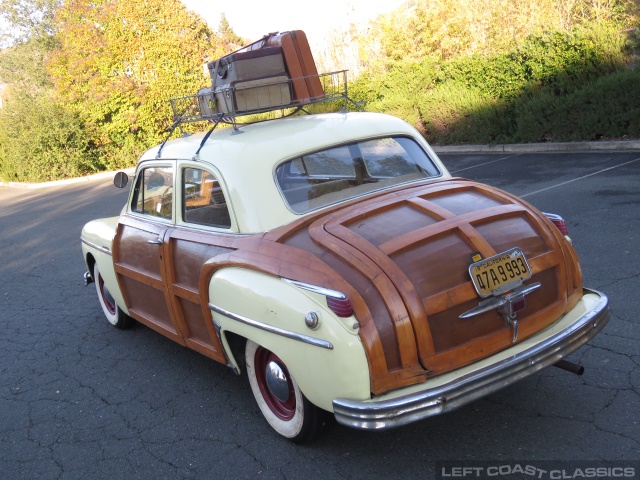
121,179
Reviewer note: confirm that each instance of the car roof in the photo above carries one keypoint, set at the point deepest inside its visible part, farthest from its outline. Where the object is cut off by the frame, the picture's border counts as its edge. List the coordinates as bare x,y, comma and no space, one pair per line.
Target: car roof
246,158
302,133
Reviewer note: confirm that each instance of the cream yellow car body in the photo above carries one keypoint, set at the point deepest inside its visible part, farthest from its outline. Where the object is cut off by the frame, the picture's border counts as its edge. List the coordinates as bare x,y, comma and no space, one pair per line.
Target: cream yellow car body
271,312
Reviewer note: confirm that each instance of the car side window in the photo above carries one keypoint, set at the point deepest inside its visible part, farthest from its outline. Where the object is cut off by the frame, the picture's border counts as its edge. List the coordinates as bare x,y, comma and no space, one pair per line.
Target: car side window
153,193
203,201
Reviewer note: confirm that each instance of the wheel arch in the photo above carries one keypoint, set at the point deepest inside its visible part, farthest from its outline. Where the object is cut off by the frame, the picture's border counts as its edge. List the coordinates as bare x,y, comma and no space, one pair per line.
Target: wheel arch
107,272
90,261
327,362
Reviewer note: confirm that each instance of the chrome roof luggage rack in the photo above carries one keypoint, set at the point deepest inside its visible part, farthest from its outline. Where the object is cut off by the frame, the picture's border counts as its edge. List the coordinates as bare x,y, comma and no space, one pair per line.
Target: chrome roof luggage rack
258,102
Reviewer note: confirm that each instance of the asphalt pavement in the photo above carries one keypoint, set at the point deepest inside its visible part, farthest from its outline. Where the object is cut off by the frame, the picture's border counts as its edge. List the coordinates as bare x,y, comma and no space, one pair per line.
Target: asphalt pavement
80,399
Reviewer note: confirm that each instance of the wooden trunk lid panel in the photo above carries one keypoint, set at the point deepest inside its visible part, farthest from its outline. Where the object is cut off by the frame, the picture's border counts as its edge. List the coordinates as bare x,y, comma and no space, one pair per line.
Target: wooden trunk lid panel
413,247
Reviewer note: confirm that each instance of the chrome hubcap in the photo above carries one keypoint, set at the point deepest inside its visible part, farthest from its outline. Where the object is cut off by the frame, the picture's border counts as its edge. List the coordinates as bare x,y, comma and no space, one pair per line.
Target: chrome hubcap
277,381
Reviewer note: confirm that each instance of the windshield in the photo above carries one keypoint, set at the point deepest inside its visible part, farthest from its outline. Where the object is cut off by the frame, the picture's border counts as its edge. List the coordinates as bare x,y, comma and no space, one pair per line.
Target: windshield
321,178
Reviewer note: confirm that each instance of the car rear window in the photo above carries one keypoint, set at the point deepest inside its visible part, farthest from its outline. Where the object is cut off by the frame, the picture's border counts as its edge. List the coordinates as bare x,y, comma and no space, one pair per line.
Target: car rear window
329,176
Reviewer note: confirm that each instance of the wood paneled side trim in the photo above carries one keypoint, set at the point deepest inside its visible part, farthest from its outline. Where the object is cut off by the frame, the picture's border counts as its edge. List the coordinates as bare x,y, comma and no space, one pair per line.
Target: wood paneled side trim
138,276
121,269
147,226
213,238
371,268
167,332
201,298
200,347
168,272
116,256
286,261
186,293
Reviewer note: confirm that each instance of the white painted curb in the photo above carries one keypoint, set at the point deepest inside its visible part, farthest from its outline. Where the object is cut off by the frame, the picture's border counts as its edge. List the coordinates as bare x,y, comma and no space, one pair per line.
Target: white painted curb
614,145
69,181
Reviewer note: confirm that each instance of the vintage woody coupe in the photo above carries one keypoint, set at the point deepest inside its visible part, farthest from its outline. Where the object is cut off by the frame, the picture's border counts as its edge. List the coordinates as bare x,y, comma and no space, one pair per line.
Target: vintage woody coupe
333,260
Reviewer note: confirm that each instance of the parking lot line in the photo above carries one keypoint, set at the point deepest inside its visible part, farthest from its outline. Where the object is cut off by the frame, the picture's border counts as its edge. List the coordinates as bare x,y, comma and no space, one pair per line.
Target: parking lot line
580,178
485,163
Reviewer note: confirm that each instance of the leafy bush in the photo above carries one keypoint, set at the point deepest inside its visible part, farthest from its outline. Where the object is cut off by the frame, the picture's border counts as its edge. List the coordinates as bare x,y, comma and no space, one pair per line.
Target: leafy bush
41,141
488,99
455,112
607,108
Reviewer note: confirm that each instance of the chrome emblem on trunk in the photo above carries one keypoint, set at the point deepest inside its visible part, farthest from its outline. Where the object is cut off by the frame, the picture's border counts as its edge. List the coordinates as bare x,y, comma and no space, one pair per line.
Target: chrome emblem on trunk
507,305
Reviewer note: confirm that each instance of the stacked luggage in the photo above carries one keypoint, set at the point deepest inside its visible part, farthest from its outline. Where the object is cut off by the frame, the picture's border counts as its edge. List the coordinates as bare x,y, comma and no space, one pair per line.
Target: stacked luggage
275,72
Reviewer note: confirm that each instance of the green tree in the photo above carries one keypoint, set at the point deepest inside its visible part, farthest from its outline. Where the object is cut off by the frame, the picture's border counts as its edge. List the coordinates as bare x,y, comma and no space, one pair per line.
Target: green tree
120,61
40,139
27,19
228,39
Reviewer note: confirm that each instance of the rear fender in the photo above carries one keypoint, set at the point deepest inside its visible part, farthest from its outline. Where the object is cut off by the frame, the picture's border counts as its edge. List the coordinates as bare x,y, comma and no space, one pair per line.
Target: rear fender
327,362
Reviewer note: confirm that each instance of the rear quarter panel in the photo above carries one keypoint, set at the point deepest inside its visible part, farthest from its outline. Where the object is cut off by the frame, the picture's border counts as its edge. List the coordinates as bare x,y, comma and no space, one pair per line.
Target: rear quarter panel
322,374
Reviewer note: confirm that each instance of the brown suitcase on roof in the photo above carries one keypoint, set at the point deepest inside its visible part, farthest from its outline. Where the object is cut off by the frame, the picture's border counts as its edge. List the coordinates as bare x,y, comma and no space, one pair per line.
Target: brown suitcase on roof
300,65
247,65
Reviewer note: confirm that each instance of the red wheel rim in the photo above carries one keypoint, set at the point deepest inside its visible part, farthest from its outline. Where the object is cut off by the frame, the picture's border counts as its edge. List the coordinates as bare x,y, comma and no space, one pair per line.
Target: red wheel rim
106,296
283,410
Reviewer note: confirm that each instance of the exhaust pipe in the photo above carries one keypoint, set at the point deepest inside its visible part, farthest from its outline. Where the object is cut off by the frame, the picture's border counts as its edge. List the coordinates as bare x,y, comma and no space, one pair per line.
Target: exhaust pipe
569,366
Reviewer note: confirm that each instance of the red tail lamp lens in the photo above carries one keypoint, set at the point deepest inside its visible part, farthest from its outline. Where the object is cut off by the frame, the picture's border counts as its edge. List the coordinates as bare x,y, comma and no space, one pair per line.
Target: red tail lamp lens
340,306
559,222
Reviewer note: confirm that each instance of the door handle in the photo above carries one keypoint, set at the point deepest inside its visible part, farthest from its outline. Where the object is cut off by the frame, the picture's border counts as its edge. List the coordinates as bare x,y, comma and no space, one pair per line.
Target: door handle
157,241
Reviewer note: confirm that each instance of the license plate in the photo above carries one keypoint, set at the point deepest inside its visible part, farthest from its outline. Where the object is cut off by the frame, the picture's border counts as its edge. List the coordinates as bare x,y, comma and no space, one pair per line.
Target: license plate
500,273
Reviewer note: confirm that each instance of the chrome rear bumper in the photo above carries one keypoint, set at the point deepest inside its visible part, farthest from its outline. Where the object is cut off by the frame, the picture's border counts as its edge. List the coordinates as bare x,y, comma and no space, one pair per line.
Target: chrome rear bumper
388,412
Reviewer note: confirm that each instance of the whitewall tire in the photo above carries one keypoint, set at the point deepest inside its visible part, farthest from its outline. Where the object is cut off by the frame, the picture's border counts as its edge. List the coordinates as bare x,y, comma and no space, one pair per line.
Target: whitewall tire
114,314
279,397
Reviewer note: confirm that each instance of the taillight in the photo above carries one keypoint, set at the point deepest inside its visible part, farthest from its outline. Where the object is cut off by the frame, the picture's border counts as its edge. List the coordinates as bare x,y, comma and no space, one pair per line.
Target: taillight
337,302
559,222
341,306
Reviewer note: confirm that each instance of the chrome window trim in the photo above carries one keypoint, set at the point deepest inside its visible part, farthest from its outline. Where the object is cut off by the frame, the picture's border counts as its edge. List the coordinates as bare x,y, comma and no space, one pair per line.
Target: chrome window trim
96,247
180,220
316,342
141,167
158,221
